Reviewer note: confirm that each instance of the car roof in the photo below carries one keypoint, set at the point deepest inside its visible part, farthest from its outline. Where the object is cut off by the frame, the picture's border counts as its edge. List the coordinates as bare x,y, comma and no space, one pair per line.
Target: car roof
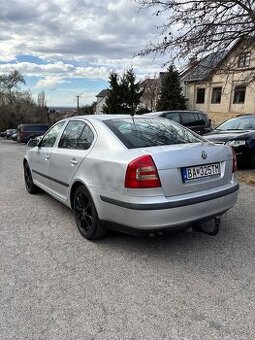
158,113
104,117
245,115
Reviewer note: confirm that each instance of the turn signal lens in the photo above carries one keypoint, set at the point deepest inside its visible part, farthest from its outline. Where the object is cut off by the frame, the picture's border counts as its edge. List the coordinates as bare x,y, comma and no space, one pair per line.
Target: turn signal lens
142,173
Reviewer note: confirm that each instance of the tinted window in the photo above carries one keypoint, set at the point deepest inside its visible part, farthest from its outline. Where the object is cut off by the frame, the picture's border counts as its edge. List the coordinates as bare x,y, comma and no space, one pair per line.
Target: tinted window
140,132
188,118
77,135
174,116
202,119
51,136
42,128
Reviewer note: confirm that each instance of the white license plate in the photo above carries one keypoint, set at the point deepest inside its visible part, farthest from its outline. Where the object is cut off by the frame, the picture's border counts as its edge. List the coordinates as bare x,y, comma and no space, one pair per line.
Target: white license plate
201,171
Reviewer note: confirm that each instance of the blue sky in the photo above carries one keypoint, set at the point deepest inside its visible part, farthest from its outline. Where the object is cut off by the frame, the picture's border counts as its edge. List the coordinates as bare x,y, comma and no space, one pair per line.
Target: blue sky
68,47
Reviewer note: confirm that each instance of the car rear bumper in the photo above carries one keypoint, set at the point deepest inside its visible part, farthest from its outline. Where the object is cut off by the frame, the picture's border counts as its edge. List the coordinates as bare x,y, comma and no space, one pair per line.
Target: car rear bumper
167,213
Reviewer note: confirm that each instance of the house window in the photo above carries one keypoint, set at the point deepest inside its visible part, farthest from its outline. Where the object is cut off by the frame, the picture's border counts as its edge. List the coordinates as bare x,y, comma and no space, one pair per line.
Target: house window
239,95
216,95
244,59
200,96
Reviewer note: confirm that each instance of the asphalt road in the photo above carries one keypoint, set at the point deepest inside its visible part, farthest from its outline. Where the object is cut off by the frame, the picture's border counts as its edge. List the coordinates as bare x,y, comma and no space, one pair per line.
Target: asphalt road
56,285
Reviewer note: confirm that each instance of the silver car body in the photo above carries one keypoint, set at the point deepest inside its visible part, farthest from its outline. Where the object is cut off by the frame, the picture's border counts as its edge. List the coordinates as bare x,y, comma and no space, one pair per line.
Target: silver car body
103,166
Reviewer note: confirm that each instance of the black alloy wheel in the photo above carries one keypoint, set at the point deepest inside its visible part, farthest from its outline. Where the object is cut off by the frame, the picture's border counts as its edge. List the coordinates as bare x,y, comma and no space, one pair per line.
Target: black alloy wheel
30,186
86,216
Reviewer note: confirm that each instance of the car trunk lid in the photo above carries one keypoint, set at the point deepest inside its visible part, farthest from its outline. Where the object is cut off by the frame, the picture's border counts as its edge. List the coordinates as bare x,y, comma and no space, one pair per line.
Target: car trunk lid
192,168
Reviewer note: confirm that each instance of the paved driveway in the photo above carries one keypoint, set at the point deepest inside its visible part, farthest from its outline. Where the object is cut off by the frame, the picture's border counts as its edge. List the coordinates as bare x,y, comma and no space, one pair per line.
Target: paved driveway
56,285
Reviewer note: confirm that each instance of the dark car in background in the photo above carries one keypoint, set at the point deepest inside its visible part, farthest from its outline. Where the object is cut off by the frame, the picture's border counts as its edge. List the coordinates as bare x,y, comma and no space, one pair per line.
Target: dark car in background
239,132
8,133
197,121
28,131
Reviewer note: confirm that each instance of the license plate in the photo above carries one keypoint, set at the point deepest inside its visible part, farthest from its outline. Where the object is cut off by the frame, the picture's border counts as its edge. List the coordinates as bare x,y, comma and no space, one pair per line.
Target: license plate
201,171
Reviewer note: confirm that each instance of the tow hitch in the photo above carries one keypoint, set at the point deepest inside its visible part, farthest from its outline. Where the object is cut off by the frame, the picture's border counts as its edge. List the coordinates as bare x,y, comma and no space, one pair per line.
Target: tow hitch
209,227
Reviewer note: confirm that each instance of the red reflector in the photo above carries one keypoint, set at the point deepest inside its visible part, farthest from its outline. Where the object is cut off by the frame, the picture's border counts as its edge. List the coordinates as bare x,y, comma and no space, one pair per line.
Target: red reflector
142,173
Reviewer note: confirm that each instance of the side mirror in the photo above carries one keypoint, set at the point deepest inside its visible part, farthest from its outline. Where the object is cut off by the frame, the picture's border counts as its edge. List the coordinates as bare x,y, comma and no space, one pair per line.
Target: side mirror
33,142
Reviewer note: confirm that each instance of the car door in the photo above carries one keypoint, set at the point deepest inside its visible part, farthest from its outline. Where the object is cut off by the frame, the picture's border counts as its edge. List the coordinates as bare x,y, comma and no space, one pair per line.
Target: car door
39,162
74,145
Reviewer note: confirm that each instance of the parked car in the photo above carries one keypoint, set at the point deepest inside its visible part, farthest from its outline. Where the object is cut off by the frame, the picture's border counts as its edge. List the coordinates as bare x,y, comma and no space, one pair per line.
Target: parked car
239,132
14,136
8,133
28,131
197,121
132,173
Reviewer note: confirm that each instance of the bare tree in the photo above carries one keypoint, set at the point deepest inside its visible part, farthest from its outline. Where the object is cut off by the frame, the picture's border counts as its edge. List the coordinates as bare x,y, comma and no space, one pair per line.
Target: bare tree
42,110
192,29
150,87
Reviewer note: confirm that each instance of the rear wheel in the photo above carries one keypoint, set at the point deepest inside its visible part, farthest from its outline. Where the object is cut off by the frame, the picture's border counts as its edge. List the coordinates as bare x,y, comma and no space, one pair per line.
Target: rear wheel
30,186
86,216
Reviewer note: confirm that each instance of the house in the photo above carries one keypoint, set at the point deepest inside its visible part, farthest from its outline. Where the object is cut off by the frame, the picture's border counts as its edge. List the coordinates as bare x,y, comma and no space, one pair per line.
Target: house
223,81
101,97
150,86
148,99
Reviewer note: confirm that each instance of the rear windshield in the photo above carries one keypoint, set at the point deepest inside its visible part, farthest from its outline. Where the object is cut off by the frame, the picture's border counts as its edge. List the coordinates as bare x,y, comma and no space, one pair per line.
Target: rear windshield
239,123
41,128
145,132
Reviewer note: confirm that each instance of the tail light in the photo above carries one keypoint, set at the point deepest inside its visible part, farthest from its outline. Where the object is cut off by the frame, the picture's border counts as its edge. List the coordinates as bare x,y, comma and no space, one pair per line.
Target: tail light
142,173
234,167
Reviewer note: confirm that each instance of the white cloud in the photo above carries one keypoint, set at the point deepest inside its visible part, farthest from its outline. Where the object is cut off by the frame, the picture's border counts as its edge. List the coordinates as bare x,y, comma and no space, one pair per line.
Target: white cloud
50,82
75,39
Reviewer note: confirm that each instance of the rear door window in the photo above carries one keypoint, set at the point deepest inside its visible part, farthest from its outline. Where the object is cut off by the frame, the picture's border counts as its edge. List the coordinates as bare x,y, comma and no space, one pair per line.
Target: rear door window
77,135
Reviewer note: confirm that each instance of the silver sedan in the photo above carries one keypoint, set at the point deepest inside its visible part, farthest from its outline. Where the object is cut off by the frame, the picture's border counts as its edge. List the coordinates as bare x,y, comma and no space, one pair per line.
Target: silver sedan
132,173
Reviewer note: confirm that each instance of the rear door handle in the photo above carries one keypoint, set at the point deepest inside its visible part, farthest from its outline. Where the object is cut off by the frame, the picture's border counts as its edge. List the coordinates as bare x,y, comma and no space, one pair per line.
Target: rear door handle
73,161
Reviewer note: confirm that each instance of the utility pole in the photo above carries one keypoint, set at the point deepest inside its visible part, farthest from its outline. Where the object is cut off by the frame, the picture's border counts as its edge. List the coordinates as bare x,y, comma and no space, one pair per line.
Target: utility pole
78,103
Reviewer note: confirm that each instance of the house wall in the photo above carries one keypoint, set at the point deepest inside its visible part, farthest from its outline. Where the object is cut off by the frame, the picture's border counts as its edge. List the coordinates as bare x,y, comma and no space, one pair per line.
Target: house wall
99,105
228,83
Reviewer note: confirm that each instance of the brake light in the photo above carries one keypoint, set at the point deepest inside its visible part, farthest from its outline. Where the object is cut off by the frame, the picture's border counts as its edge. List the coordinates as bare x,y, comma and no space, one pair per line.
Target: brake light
234,167
142,173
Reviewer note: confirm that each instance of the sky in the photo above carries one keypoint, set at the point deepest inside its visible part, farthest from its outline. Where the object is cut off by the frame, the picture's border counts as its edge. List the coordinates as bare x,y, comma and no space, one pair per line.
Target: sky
68,48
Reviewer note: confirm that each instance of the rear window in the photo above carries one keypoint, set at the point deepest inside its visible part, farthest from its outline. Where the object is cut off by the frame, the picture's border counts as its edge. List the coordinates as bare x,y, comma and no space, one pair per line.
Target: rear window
146,132
239,123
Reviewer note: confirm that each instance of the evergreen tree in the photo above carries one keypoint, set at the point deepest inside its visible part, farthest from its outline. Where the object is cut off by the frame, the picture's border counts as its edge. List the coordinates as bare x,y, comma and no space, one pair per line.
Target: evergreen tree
170,95
124,94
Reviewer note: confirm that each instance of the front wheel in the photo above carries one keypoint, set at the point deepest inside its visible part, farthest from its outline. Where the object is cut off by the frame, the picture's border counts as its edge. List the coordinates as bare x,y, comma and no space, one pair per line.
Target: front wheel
30,186
86,216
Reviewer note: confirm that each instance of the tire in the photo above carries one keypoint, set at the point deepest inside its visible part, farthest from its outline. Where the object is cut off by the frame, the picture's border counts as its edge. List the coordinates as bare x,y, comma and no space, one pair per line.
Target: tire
30,186
86,216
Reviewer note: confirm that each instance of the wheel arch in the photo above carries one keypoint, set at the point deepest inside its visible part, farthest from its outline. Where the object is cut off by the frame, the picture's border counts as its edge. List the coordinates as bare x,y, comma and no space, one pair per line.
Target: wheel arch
25,161
75,185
